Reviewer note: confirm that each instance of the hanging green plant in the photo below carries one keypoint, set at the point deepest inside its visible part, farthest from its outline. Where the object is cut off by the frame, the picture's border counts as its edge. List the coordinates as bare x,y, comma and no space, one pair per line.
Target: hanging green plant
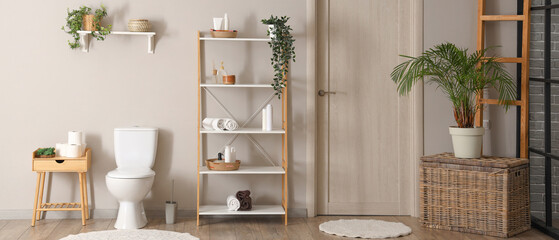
81,18
282,50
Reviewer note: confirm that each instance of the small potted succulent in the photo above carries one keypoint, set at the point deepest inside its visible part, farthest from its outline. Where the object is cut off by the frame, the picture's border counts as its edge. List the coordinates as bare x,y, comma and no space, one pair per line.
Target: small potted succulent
45,152
82,19
282,49
462,77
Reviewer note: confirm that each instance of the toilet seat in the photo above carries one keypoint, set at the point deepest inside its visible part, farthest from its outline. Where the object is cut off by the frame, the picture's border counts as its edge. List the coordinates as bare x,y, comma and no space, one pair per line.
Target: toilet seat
131,173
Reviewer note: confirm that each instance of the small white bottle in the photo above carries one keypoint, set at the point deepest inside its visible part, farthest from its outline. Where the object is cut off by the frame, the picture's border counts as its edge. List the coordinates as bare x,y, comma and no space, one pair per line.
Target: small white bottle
269,117
264,119
225,22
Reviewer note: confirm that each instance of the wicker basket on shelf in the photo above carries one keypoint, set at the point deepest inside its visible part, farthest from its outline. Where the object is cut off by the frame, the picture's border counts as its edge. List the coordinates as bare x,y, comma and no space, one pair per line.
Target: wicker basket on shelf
138,25
487,195
214,164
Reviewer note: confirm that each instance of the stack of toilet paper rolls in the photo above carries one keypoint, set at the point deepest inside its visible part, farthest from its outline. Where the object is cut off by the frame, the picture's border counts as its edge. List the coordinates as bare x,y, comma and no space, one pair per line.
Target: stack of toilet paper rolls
74,148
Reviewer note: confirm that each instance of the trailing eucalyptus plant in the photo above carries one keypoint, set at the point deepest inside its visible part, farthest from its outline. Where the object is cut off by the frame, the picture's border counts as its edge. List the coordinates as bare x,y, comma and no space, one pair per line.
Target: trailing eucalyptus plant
461,76
74,23
282,50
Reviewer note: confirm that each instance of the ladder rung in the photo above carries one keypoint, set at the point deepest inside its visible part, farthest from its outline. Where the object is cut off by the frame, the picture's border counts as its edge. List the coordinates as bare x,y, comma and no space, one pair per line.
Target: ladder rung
509,60
496,101
502,17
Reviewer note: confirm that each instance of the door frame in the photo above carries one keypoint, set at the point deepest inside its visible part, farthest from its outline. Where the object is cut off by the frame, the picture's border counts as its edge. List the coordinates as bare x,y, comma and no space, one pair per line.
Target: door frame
416,107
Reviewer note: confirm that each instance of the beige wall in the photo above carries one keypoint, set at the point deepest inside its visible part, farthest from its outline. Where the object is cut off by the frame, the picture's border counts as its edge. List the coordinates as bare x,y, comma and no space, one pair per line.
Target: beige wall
48,89
456,21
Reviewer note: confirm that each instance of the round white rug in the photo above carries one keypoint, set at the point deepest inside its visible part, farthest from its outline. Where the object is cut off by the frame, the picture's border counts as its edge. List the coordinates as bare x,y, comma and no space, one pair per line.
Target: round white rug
135,234
359,228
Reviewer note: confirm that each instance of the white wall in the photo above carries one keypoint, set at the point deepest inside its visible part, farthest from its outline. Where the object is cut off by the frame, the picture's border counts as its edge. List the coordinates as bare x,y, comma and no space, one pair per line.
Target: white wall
456,21
48,89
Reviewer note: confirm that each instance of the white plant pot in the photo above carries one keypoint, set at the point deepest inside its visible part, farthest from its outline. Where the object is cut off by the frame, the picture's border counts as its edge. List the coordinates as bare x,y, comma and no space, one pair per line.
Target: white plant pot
467,142
271,30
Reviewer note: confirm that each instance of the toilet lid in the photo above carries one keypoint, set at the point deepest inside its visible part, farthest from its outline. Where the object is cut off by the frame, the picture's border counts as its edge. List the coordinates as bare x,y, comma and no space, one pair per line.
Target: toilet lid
131,173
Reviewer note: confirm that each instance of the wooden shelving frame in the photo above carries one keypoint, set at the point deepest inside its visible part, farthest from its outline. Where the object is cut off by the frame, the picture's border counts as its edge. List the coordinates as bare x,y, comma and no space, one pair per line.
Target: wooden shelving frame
243,170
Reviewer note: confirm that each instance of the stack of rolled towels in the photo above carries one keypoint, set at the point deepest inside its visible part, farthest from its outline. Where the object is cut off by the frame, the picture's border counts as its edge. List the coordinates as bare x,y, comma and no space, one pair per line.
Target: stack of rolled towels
220,124
241,201
75,147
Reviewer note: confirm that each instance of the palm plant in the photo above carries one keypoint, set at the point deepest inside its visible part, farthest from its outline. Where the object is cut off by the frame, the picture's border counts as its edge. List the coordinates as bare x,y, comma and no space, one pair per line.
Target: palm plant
461,76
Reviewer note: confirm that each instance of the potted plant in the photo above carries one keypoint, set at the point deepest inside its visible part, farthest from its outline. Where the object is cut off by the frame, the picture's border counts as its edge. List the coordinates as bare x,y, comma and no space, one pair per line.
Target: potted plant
462,77
282,50
45,153
82,19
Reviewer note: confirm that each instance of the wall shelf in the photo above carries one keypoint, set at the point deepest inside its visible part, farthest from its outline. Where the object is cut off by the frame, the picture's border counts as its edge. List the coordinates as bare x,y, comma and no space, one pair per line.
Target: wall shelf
85,35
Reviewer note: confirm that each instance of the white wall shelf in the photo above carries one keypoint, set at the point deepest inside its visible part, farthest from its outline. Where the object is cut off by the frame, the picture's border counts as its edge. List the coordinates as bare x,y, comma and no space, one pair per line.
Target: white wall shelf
236,39
243,131
256,210
245,170
85,35
217,85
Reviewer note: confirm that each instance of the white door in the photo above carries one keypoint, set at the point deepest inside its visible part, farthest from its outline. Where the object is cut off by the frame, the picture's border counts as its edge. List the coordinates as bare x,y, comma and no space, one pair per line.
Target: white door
365,130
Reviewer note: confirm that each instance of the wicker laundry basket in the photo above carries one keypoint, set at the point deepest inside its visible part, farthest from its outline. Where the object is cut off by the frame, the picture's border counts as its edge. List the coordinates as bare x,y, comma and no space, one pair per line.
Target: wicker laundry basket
487,195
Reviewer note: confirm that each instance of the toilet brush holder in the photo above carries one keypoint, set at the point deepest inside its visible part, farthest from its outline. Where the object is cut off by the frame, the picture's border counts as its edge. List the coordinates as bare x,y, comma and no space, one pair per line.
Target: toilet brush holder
170,212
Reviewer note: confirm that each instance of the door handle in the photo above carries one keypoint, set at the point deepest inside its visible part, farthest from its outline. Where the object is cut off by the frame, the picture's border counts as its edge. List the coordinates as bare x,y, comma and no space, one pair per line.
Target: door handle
322,93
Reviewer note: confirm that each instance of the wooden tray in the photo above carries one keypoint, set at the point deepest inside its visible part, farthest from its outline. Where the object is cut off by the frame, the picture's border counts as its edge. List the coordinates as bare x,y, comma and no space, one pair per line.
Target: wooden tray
223,33
222,166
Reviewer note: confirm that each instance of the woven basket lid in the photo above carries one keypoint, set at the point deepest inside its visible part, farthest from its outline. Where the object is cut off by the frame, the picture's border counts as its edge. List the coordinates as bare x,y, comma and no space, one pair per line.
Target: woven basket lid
484,161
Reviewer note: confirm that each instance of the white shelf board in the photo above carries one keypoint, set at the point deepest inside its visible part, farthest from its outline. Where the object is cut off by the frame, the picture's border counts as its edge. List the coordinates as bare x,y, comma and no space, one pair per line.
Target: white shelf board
236,39
256,210
236,85
84,38
245,170
244,131
125,33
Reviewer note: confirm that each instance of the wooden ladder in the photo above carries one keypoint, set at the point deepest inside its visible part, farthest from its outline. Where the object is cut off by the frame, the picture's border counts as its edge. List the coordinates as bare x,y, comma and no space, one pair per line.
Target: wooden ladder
522,102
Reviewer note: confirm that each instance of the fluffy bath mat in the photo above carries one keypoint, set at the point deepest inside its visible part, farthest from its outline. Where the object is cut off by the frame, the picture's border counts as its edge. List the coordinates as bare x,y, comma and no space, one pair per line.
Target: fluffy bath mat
359,228
136,234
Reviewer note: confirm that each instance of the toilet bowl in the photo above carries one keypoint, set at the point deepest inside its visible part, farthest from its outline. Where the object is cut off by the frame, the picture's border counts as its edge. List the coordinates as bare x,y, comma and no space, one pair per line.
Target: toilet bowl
135,150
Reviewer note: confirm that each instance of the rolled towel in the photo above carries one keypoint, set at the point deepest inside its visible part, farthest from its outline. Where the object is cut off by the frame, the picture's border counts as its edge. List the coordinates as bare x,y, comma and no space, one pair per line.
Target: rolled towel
233,203
246,204
242,194
213,123
244,200
230,124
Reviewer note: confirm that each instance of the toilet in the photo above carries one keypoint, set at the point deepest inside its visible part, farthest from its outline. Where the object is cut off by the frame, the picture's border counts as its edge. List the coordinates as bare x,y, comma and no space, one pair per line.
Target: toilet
131,181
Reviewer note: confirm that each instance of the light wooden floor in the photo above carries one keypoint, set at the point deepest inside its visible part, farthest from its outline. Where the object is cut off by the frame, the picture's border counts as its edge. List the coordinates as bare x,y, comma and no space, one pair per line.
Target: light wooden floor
224,228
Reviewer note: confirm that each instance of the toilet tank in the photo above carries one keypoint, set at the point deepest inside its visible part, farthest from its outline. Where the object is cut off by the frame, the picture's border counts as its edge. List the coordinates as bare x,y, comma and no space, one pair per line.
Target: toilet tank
135,147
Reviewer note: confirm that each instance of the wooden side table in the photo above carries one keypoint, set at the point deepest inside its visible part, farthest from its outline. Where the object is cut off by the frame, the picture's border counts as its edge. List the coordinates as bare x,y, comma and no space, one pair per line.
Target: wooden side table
78,165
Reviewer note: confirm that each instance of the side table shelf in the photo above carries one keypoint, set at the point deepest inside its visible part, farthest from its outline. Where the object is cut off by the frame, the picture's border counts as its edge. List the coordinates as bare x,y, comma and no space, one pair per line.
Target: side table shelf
79,165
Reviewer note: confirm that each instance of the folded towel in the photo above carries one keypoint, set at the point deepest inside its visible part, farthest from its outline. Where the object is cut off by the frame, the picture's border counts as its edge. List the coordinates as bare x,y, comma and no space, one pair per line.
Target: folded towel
244,200
230,124
233,203
213,124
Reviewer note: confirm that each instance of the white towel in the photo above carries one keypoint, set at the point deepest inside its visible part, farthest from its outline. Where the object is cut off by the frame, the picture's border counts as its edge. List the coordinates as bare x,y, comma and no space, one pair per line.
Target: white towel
230,124
233,203
213,123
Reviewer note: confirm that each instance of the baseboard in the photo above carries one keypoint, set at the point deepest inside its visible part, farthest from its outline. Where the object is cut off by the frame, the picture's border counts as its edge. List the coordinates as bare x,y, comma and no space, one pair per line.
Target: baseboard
111,213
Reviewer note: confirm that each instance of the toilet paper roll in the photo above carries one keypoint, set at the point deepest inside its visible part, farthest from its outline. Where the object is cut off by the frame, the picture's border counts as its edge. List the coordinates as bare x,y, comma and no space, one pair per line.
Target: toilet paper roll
60,149
75,137
82,149
73,150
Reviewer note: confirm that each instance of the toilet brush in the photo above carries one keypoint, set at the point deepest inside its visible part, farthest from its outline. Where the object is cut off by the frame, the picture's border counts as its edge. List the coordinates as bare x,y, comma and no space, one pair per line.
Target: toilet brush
171,207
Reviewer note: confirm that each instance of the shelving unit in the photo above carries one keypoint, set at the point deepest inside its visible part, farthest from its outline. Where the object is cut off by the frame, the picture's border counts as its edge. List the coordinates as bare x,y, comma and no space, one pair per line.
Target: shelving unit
84,38
280,209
